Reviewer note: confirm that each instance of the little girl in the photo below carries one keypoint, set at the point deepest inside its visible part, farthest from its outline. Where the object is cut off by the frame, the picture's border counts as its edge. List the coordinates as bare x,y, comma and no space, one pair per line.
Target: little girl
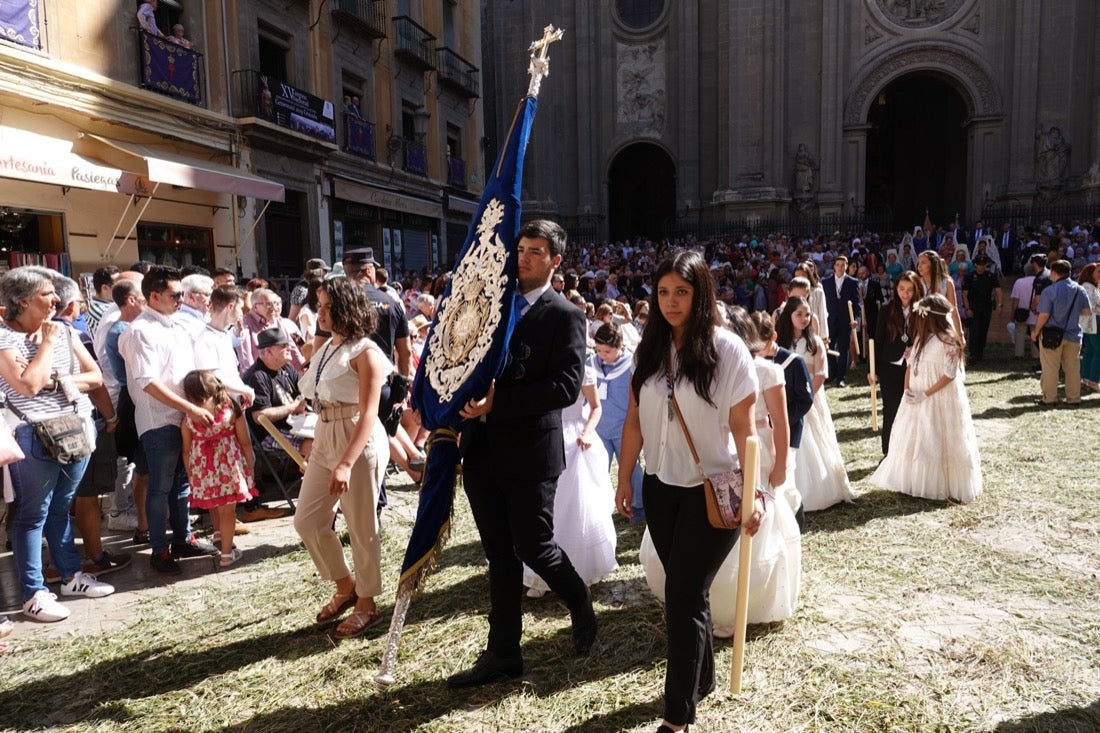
613,366
819,472
218,458
933,446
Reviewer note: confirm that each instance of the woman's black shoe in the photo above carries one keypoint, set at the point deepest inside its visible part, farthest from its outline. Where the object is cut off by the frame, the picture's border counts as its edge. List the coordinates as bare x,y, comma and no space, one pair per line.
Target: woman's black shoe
488,668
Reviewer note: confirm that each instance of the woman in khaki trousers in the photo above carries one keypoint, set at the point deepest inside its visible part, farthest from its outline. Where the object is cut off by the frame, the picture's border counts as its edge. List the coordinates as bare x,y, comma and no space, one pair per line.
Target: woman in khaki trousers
344,380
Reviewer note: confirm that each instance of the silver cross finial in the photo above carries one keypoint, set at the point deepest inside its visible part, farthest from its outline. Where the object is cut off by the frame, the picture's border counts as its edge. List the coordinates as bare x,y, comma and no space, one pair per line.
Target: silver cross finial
540,61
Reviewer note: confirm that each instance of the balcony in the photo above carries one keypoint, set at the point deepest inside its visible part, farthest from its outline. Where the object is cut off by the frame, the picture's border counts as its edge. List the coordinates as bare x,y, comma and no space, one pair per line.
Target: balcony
413,44
458,74
271,99
170,69
415,158
369,16
359,136
456,172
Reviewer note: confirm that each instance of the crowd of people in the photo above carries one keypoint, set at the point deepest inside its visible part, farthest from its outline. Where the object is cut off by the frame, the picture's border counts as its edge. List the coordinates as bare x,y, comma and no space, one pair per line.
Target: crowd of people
740,337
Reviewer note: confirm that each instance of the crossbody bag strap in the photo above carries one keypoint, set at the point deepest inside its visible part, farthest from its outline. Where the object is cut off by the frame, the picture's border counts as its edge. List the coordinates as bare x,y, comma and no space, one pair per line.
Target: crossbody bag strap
680,417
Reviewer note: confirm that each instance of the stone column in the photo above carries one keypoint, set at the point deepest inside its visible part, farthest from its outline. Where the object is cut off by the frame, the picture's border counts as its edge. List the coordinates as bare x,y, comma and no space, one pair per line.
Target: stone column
831,189
985,166
1024,99
854,165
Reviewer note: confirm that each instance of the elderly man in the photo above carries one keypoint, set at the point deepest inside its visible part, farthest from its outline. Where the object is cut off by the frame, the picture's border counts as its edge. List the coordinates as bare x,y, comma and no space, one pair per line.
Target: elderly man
276,386
147,18
195,308
266,312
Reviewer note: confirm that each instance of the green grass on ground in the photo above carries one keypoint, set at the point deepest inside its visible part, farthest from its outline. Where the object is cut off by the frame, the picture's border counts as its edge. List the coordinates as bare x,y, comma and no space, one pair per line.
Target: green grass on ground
914,617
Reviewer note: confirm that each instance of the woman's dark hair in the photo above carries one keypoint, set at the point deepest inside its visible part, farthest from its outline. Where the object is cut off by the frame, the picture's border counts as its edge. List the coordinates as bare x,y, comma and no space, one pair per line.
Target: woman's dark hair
1087,273
608,335
352,315
311,294
784,327
933,318
895,315
765,326
697,358
740,322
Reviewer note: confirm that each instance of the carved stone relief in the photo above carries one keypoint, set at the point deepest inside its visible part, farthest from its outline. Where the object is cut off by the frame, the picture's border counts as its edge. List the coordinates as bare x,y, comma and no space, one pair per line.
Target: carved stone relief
640,87
919,13
870,34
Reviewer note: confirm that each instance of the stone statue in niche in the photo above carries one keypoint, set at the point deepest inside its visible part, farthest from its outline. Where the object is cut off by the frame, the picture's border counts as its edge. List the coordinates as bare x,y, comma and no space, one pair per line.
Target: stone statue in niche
1092,178
805,171
1051,156
641,85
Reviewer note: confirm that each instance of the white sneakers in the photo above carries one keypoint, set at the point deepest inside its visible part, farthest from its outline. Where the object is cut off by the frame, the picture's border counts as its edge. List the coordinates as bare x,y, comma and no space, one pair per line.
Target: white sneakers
85,584
124,521
43,606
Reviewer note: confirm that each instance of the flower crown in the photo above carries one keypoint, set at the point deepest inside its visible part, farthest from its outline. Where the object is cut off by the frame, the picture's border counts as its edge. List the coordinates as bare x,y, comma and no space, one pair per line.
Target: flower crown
923,311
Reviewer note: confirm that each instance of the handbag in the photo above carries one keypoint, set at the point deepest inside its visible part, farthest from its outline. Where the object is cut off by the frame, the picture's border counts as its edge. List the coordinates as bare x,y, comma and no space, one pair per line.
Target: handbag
1051,336
722,491
1020,315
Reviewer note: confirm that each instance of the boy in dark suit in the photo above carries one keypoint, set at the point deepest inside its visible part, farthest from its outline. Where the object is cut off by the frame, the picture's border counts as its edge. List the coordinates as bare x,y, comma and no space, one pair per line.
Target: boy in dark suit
513,453
840,290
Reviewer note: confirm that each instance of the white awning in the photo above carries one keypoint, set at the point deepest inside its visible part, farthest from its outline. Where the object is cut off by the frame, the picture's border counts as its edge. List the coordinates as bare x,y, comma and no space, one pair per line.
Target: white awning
29,156
175,170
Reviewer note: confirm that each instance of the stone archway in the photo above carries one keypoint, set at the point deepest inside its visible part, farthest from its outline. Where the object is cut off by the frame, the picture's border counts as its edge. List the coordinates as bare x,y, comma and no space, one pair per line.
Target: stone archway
641,187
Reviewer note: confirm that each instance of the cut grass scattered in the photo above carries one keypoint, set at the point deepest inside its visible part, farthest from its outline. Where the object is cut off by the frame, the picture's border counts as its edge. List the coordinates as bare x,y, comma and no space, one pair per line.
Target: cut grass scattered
915,617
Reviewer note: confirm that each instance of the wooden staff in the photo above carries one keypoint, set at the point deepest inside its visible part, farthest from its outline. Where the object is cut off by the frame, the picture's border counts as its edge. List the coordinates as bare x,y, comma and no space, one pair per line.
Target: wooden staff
750,468
874,384
851,319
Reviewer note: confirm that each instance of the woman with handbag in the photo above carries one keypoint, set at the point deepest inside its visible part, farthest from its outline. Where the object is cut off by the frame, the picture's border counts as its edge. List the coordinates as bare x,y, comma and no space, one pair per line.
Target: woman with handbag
686,361
348,461
45,373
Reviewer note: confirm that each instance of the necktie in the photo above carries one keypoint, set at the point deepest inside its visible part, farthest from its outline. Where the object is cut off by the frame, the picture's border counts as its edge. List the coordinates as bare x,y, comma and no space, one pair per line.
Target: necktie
519,305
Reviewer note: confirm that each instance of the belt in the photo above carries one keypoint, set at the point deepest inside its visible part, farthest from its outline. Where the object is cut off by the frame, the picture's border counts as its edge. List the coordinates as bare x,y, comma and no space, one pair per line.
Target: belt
336,411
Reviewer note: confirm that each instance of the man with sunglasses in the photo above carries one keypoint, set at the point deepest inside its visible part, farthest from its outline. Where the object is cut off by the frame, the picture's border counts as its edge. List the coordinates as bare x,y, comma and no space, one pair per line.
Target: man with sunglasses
155,368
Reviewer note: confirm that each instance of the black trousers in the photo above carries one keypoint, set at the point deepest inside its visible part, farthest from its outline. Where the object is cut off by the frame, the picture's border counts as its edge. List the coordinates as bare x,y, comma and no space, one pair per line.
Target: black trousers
979,330
891,378
692,552
516,523
840,340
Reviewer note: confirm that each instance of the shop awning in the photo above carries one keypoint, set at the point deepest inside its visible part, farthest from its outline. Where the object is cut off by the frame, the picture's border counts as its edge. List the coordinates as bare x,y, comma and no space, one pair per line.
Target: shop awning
29,156
161,167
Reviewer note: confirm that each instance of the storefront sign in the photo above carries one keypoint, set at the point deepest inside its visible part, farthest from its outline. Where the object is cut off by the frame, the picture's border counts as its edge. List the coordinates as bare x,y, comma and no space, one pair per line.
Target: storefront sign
371,196
29,156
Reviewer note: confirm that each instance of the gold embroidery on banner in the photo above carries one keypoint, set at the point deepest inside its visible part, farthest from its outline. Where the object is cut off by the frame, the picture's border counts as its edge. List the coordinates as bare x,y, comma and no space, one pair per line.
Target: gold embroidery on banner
470,315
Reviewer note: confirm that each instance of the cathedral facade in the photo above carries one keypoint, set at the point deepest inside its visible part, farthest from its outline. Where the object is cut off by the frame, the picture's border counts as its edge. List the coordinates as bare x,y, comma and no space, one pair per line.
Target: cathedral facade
663,116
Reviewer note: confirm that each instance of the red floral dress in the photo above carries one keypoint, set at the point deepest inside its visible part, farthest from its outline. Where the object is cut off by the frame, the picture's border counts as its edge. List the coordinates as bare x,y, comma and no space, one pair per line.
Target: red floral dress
216,464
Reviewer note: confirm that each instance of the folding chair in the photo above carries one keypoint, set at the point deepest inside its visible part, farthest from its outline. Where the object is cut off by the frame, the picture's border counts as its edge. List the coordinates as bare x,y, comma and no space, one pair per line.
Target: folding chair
278,462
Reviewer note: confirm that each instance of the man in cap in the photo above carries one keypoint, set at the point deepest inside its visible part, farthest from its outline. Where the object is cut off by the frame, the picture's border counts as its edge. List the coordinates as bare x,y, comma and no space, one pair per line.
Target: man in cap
392,334
981,292
275,383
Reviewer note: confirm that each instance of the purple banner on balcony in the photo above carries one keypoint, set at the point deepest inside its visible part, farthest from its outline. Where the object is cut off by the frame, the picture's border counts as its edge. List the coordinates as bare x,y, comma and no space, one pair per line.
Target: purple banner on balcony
290,107
169,68
19,22
360,136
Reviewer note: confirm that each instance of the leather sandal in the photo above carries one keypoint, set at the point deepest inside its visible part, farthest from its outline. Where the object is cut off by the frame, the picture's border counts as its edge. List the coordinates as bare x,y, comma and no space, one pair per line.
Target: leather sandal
339,603
357,623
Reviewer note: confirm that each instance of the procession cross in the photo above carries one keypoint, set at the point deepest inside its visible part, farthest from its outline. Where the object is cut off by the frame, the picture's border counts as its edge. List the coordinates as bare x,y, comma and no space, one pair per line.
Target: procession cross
540,61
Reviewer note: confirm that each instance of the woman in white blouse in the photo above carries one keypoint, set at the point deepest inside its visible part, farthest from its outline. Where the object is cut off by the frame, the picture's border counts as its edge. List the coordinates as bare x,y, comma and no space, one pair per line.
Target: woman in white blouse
684,351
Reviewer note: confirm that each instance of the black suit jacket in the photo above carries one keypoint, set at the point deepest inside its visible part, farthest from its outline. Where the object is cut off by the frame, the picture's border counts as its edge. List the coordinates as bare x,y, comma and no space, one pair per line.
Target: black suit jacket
799,389
522,435
837,306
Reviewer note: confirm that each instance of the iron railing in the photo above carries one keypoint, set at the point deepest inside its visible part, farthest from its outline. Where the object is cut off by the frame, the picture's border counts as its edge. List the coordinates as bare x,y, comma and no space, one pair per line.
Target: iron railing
359,136
413,43
456,172
171,69
458,73
369,16
415,159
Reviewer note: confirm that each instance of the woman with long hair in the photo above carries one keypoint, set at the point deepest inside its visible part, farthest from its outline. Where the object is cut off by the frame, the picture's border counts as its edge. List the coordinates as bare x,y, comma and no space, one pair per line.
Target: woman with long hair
934,451
935,279
808,270
349,456
892,339
686,355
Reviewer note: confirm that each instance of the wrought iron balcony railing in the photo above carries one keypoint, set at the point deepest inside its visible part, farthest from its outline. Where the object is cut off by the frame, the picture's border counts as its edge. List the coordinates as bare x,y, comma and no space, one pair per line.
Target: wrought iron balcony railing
369,16
456,172
458,74
171,69
413,44
359,136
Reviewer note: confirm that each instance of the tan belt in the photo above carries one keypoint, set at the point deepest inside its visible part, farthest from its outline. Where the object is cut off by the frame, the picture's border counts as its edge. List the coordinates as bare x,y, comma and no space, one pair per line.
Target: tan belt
334,411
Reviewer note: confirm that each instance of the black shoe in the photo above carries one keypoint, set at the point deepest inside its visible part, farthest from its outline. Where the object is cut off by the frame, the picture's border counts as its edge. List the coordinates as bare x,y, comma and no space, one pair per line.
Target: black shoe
488,668
164,564
584,627
194,548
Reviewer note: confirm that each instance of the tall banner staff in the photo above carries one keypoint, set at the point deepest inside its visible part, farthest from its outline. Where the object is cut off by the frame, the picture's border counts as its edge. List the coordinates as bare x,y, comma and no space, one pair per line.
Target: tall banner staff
466,346
874,384
852,319
750,468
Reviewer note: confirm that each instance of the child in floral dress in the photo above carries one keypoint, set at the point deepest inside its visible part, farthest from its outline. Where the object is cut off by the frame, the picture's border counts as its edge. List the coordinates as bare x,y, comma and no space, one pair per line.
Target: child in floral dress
218,458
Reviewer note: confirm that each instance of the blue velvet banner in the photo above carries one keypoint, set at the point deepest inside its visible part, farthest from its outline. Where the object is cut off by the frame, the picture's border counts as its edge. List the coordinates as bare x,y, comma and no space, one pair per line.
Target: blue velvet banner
19,22
467,344
170,68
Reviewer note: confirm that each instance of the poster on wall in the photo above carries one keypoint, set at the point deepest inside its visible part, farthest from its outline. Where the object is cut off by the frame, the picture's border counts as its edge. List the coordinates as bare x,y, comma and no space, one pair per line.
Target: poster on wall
387,253
295,109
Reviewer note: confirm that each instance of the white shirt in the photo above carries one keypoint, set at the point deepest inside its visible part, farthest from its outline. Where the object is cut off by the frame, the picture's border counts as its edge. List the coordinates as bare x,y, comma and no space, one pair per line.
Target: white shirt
99,344
151,348
214,350
666,450
193,321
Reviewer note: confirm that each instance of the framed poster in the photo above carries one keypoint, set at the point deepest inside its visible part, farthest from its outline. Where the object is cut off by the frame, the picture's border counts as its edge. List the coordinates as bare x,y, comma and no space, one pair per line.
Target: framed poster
387,250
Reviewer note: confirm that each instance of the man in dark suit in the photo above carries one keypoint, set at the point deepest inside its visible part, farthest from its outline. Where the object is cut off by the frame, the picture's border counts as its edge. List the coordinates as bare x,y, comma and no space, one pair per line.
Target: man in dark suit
840,290
514,451
1006,247
978,232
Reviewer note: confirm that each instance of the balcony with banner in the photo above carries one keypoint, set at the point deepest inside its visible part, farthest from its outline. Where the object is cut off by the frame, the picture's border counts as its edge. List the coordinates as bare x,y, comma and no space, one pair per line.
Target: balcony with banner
456,172
413,44
368,16
458,74
19,23
359,136
171,69
416,157
268,98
